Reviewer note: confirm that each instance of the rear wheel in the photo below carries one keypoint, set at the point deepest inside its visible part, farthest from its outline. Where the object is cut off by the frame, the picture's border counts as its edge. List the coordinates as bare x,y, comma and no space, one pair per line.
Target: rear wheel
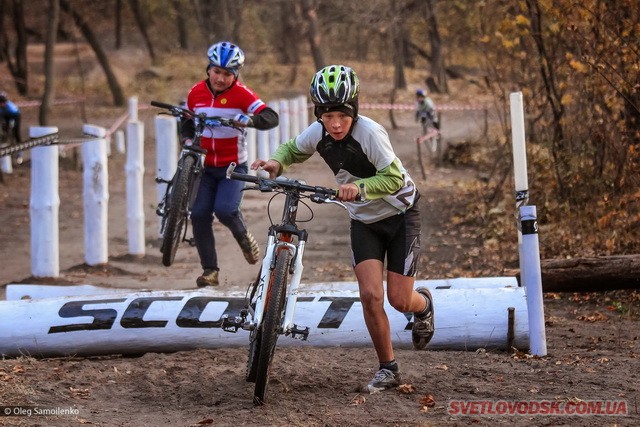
176,217
272,321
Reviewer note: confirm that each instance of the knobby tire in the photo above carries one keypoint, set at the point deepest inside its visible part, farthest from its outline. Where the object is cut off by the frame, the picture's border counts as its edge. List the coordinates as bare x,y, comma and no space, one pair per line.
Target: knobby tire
271,323
255,338
177,215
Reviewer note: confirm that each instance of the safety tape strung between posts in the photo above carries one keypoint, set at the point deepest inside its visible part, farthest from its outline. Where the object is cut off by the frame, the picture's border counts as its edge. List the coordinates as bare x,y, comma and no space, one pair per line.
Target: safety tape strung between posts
412,107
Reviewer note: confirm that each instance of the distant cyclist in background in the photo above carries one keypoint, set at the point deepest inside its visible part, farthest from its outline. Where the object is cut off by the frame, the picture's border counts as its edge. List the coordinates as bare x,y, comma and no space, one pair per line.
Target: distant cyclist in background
10,114
221,94
426,109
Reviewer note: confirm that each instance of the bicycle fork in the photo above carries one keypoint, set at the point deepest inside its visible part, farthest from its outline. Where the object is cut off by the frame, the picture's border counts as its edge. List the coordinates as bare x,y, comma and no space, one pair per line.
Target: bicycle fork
257,305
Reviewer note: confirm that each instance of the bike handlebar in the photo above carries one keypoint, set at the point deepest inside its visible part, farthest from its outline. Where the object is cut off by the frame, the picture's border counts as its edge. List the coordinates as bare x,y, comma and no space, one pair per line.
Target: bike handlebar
268,184
178,111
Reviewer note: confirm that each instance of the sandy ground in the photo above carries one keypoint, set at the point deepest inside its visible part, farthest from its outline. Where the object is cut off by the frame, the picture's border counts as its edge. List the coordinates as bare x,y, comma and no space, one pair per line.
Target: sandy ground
592,344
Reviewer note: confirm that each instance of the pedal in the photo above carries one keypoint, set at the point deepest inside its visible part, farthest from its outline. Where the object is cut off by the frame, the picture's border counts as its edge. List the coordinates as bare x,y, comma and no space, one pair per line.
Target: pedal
232,324
298,332
160,211
191,242
162,180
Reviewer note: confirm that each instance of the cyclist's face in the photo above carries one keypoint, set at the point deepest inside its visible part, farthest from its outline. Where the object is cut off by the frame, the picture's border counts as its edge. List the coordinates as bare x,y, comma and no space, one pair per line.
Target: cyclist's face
337,124
220,79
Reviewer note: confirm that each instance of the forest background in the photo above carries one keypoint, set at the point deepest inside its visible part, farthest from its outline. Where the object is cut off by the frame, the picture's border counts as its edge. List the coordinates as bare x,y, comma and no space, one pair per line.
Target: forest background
576,63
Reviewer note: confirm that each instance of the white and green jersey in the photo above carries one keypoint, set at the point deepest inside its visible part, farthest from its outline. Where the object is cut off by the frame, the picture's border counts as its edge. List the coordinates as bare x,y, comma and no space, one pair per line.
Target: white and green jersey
365,157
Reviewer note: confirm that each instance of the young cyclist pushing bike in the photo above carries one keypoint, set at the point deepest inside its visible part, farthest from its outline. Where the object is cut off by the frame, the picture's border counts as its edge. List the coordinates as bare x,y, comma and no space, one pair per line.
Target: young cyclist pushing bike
386,224
221,94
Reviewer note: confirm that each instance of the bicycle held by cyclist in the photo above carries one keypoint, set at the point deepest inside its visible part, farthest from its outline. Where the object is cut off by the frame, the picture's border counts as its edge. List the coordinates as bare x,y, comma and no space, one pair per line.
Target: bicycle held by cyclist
174,208
271,299
428,117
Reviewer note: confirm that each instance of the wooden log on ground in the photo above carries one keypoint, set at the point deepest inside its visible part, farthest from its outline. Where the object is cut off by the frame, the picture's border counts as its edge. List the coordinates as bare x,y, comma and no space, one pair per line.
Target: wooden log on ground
591,274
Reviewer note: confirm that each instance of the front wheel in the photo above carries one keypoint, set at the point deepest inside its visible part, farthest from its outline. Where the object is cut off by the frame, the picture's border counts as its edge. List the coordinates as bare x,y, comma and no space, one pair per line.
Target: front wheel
271,324
177,210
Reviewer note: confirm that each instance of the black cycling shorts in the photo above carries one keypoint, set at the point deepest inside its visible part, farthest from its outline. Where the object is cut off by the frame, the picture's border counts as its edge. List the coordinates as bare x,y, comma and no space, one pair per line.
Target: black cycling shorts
397,238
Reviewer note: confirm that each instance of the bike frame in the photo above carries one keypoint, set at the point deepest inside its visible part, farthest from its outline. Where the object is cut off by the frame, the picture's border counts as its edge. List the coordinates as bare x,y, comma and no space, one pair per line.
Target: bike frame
176,212
280,238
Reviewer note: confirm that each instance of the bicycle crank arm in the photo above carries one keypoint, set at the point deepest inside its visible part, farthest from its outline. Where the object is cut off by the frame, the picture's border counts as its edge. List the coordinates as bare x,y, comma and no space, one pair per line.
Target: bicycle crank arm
299,332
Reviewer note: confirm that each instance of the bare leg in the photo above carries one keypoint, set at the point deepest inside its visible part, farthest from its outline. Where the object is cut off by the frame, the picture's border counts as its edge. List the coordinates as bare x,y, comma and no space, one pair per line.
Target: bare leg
401,294
369,274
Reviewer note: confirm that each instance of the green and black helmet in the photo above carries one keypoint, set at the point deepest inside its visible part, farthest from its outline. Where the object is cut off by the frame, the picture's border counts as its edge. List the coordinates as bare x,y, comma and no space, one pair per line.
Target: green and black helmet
335,86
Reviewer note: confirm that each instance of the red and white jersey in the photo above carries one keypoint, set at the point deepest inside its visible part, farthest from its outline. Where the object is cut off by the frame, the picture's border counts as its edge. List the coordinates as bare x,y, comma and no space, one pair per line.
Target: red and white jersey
224,144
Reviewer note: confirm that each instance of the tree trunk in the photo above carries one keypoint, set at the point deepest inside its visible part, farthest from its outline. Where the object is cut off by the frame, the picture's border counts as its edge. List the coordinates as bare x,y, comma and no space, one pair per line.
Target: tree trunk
437,59
310,14
289,35
118,24
17,63
183,35
85,29
397,30
590,274
49,88
142,25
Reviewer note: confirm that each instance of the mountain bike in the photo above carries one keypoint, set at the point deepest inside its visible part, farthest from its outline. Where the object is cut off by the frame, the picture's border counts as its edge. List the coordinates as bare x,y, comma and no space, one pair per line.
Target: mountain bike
271,299
174,208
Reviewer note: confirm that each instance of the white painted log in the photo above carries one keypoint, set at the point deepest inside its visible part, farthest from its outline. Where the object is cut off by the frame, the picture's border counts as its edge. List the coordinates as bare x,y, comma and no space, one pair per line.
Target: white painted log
44,207
532,279
274,133
294,117
285,121
18,291
134,169
167,321
166,155
304,112
133,109
120,144
6,164
95,196
252,152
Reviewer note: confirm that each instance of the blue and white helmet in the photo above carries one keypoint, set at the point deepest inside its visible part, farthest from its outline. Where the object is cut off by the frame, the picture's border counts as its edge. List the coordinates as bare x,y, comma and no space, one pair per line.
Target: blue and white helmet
226,55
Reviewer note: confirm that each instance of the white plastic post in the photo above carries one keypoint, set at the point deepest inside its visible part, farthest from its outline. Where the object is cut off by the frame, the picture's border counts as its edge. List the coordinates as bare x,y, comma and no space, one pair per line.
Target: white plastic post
532,278
44,206
294,107
166,154
519,158
250,141
274,133
285,121
95,196
134,169
120,145
304,112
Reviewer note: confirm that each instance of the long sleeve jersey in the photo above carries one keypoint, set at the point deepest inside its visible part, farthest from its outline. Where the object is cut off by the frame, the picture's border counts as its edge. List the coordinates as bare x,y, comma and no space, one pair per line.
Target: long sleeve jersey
365,157
224,144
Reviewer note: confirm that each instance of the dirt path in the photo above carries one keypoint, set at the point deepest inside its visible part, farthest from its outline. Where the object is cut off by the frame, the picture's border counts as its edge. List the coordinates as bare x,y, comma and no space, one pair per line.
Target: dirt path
593,350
